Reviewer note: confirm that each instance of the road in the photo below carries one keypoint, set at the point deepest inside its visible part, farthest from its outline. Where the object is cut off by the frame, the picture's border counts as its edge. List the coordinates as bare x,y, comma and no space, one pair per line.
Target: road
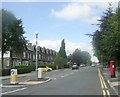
85,81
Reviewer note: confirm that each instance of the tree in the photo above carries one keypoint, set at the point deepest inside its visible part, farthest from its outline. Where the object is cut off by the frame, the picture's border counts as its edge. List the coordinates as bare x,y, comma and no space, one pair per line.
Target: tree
86,57
80,57
60,61
76,57
62,51
106,41
12,34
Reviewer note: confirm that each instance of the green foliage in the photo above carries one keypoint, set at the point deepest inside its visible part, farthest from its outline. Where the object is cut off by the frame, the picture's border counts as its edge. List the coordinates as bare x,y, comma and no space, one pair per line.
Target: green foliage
60,61
80,57
62,51
53,66
89,63
5,72
106,41
25,69
12,34
21,69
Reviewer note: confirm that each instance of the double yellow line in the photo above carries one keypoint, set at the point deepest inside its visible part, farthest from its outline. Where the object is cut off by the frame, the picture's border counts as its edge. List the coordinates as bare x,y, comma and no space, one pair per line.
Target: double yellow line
103,84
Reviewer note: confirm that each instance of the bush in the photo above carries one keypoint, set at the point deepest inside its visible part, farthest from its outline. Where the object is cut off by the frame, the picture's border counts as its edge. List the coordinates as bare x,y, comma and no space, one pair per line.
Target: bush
25,69
5,72
53,66
21,70
66,66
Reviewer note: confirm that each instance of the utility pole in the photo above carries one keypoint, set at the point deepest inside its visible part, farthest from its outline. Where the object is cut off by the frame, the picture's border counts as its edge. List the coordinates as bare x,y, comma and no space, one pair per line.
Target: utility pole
36,33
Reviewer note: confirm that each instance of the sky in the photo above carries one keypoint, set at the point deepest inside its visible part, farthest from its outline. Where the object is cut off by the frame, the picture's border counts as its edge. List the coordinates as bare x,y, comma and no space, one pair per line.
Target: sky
55,21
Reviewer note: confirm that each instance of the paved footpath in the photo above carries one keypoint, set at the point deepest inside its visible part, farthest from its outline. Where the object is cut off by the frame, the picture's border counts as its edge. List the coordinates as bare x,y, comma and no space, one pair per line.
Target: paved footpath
113,82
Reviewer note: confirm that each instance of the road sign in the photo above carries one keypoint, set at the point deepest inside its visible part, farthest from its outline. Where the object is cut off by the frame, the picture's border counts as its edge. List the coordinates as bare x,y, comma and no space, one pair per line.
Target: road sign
12,72
14,76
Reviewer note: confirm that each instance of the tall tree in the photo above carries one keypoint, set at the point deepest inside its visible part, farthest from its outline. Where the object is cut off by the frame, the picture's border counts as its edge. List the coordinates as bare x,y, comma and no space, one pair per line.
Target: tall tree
106,41
62,51
12,34
80,57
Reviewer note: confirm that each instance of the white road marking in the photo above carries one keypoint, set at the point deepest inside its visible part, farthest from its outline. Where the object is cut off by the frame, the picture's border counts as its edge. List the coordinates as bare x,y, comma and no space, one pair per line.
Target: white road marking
13,91
12,86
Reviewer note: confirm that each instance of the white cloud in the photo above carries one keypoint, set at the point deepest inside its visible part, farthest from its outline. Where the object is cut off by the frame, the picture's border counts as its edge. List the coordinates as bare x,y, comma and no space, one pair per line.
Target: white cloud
70,46
87,12
76,11
72,11
55,45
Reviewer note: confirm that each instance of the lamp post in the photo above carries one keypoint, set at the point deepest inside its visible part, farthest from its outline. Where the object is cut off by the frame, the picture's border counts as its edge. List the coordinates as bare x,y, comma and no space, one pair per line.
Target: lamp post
36,33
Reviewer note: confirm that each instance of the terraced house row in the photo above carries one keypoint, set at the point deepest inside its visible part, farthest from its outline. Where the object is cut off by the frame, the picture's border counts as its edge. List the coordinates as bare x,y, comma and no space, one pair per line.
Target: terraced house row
45,56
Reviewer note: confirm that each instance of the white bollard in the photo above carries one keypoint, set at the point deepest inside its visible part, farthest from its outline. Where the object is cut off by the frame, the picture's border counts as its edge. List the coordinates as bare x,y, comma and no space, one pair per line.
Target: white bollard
14,76
40,73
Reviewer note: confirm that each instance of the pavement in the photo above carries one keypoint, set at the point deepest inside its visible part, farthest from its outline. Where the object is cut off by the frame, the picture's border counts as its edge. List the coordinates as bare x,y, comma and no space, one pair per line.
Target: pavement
113,82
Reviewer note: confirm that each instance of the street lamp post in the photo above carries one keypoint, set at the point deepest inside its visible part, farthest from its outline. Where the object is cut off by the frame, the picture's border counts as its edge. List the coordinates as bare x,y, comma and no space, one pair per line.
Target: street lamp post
36,54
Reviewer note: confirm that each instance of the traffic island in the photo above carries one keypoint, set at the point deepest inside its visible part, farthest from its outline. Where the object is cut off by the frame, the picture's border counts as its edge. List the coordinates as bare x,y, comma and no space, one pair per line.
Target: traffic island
38,81
27,83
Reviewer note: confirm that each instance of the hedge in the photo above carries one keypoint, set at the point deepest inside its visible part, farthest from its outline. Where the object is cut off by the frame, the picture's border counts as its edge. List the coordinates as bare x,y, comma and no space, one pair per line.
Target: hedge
25,69
5,72
21,70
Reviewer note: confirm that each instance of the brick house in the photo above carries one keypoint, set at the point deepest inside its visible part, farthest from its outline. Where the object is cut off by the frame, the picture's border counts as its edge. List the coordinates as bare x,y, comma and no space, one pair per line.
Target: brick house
45,56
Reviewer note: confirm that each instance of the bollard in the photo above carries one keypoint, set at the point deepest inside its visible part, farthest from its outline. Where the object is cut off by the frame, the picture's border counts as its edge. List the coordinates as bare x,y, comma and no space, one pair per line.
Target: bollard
14,76
40,73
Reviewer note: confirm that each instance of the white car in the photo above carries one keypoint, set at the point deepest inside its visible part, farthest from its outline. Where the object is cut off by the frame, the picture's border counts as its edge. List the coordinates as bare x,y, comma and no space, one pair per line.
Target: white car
82,65
93,65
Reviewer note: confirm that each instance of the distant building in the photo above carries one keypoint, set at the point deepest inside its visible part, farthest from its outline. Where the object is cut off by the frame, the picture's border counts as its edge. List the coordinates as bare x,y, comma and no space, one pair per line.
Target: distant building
45,56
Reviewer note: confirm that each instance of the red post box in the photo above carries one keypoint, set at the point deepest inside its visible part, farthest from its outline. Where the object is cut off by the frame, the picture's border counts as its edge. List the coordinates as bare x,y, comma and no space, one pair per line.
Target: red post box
112,68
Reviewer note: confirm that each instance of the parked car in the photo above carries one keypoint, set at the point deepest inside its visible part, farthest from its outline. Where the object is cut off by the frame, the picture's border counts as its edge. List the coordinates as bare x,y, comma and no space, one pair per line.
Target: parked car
75,67
82,65
46,68
93,65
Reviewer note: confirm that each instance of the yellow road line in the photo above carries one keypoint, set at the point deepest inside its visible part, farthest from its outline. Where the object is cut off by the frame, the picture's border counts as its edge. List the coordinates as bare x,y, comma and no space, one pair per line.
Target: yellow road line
100,79
103,82
104,94
103,85
108,93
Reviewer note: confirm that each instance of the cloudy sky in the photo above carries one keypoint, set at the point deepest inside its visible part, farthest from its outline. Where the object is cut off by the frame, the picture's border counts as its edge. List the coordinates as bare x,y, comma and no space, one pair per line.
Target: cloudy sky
55,21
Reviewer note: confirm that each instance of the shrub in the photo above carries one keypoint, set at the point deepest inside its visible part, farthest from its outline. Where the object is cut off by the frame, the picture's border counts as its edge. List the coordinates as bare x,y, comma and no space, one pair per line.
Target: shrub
5,72
21,70
25,69
53,66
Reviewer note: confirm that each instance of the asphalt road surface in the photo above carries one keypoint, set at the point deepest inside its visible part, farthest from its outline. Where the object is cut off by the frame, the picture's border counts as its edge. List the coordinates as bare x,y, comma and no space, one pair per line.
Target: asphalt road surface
85,81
